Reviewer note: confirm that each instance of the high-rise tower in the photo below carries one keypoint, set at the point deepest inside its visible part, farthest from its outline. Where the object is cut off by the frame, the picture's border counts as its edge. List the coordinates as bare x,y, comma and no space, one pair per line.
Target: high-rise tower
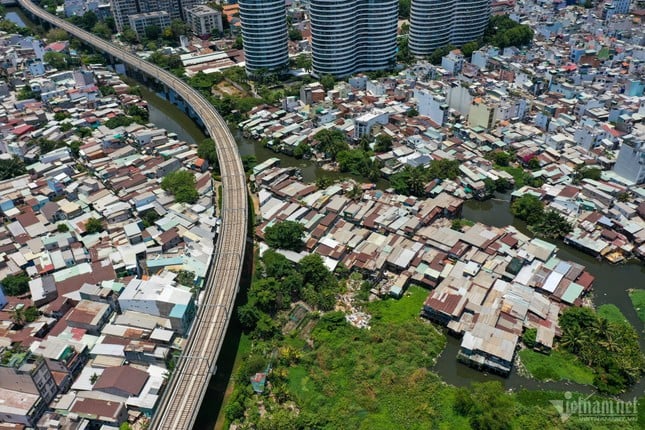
264,33
437,23
353,36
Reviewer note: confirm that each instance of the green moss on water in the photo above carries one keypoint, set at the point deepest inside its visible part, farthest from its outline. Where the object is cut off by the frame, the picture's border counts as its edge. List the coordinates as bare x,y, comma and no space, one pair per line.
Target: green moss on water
557,366
612,314
638,300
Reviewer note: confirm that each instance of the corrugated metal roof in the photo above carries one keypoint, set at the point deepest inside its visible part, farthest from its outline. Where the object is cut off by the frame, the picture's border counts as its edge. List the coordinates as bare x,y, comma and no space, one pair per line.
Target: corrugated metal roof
572,293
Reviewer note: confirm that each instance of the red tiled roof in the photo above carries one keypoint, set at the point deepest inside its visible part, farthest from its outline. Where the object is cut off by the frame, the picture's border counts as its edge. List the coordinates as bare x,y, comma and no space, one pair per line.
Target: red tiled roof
22,129
56,46
586,279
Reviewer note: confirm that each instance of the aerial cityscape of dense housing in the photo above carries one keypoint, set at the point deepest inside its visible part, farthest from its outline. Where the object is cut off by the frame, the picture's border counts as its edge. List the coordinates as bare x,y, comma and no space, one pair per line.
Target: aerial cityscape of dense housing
91,230
369,279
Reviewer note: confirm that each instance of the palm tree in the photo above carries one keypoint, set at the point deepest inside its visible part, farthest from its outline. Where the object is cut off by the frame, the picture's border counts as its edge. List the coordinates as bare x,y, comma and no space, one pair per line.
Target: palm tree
18,316
573,339
355,193
416,181
601,326
610,343
588,353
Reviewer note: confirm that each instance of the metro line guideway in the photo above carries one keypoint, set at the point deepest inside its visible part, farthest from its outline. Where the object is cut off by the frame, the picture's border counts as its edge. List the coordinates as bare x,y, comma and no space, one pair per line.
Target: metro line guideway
185,391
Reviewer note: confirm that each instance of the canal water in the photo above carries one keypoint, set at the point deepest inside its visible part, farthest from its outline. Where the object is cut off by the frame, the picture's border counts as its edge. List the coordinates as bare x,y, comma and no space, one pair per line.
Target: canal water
170,117
612,281
16,16
611,285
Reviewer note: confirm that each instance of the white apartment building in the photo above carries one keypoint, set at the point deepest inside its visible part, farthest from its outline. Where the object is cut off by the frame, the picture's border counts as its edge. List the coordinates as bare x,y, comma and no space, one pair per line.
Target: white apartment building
139,22
264,33
437,23
353,36
630,163
203,20
159,297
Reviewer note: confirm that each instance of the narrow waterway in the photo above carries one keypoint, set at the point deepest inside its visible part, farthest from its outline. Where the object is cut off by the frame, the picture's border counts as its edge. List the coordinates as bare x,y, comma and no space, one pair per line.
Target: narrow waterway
172,118
612,281
15,15
611,285
310,170
166,115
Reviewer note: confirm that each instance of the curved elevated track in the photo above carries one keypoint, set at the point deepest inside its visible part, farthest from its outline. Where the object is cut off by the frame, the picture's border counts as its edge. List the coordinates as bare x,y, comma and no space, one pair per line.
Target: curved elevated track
185,391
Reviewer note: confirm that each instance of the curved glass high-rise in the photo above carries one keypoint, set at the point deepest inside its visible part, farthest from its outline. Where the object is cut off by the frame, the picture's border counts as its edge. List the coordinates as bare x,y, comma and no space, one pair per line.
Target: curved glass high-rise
264,34
437,23
353,35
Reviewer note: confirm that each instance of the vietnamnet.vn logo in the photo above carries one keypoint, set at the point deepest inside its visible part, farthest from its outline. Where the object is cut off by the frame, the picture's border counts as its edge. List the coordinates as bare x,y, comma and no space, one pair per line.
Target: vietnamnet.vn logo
598,410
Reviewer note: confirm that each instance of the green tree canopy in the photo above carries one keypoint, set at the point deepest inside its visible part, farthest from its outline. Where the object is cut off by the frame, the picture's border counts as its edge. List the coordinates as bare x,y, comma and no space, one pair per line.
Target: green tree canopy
57,60
404,9
302,150
502,31
186,278
313,269
383,143
18,316
528,208
437,54
93,225
181,184
238,43
102,30
553,225
56,34
403,54
206,150
276,265
295,34
152,32
286,235
486,406
412,180
31,314
128,35
529,337
586,172
457,224
303,61
27,93
15,285
468,48
534,163
12,167
119,121
359,163
501,158
331,142
610,348
179,28
328,82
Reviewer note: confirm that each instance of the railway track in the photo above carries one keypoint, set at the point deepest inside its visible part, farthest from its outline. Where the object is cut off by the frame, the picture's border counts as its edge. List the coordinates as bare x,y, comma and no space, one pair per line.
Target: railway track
185,391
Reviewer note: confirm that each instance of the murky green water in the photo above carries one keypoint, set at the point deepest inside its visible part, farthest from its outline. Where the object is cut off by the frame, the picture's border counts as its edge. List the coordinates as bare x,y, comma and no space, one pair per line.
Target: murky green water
611,285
